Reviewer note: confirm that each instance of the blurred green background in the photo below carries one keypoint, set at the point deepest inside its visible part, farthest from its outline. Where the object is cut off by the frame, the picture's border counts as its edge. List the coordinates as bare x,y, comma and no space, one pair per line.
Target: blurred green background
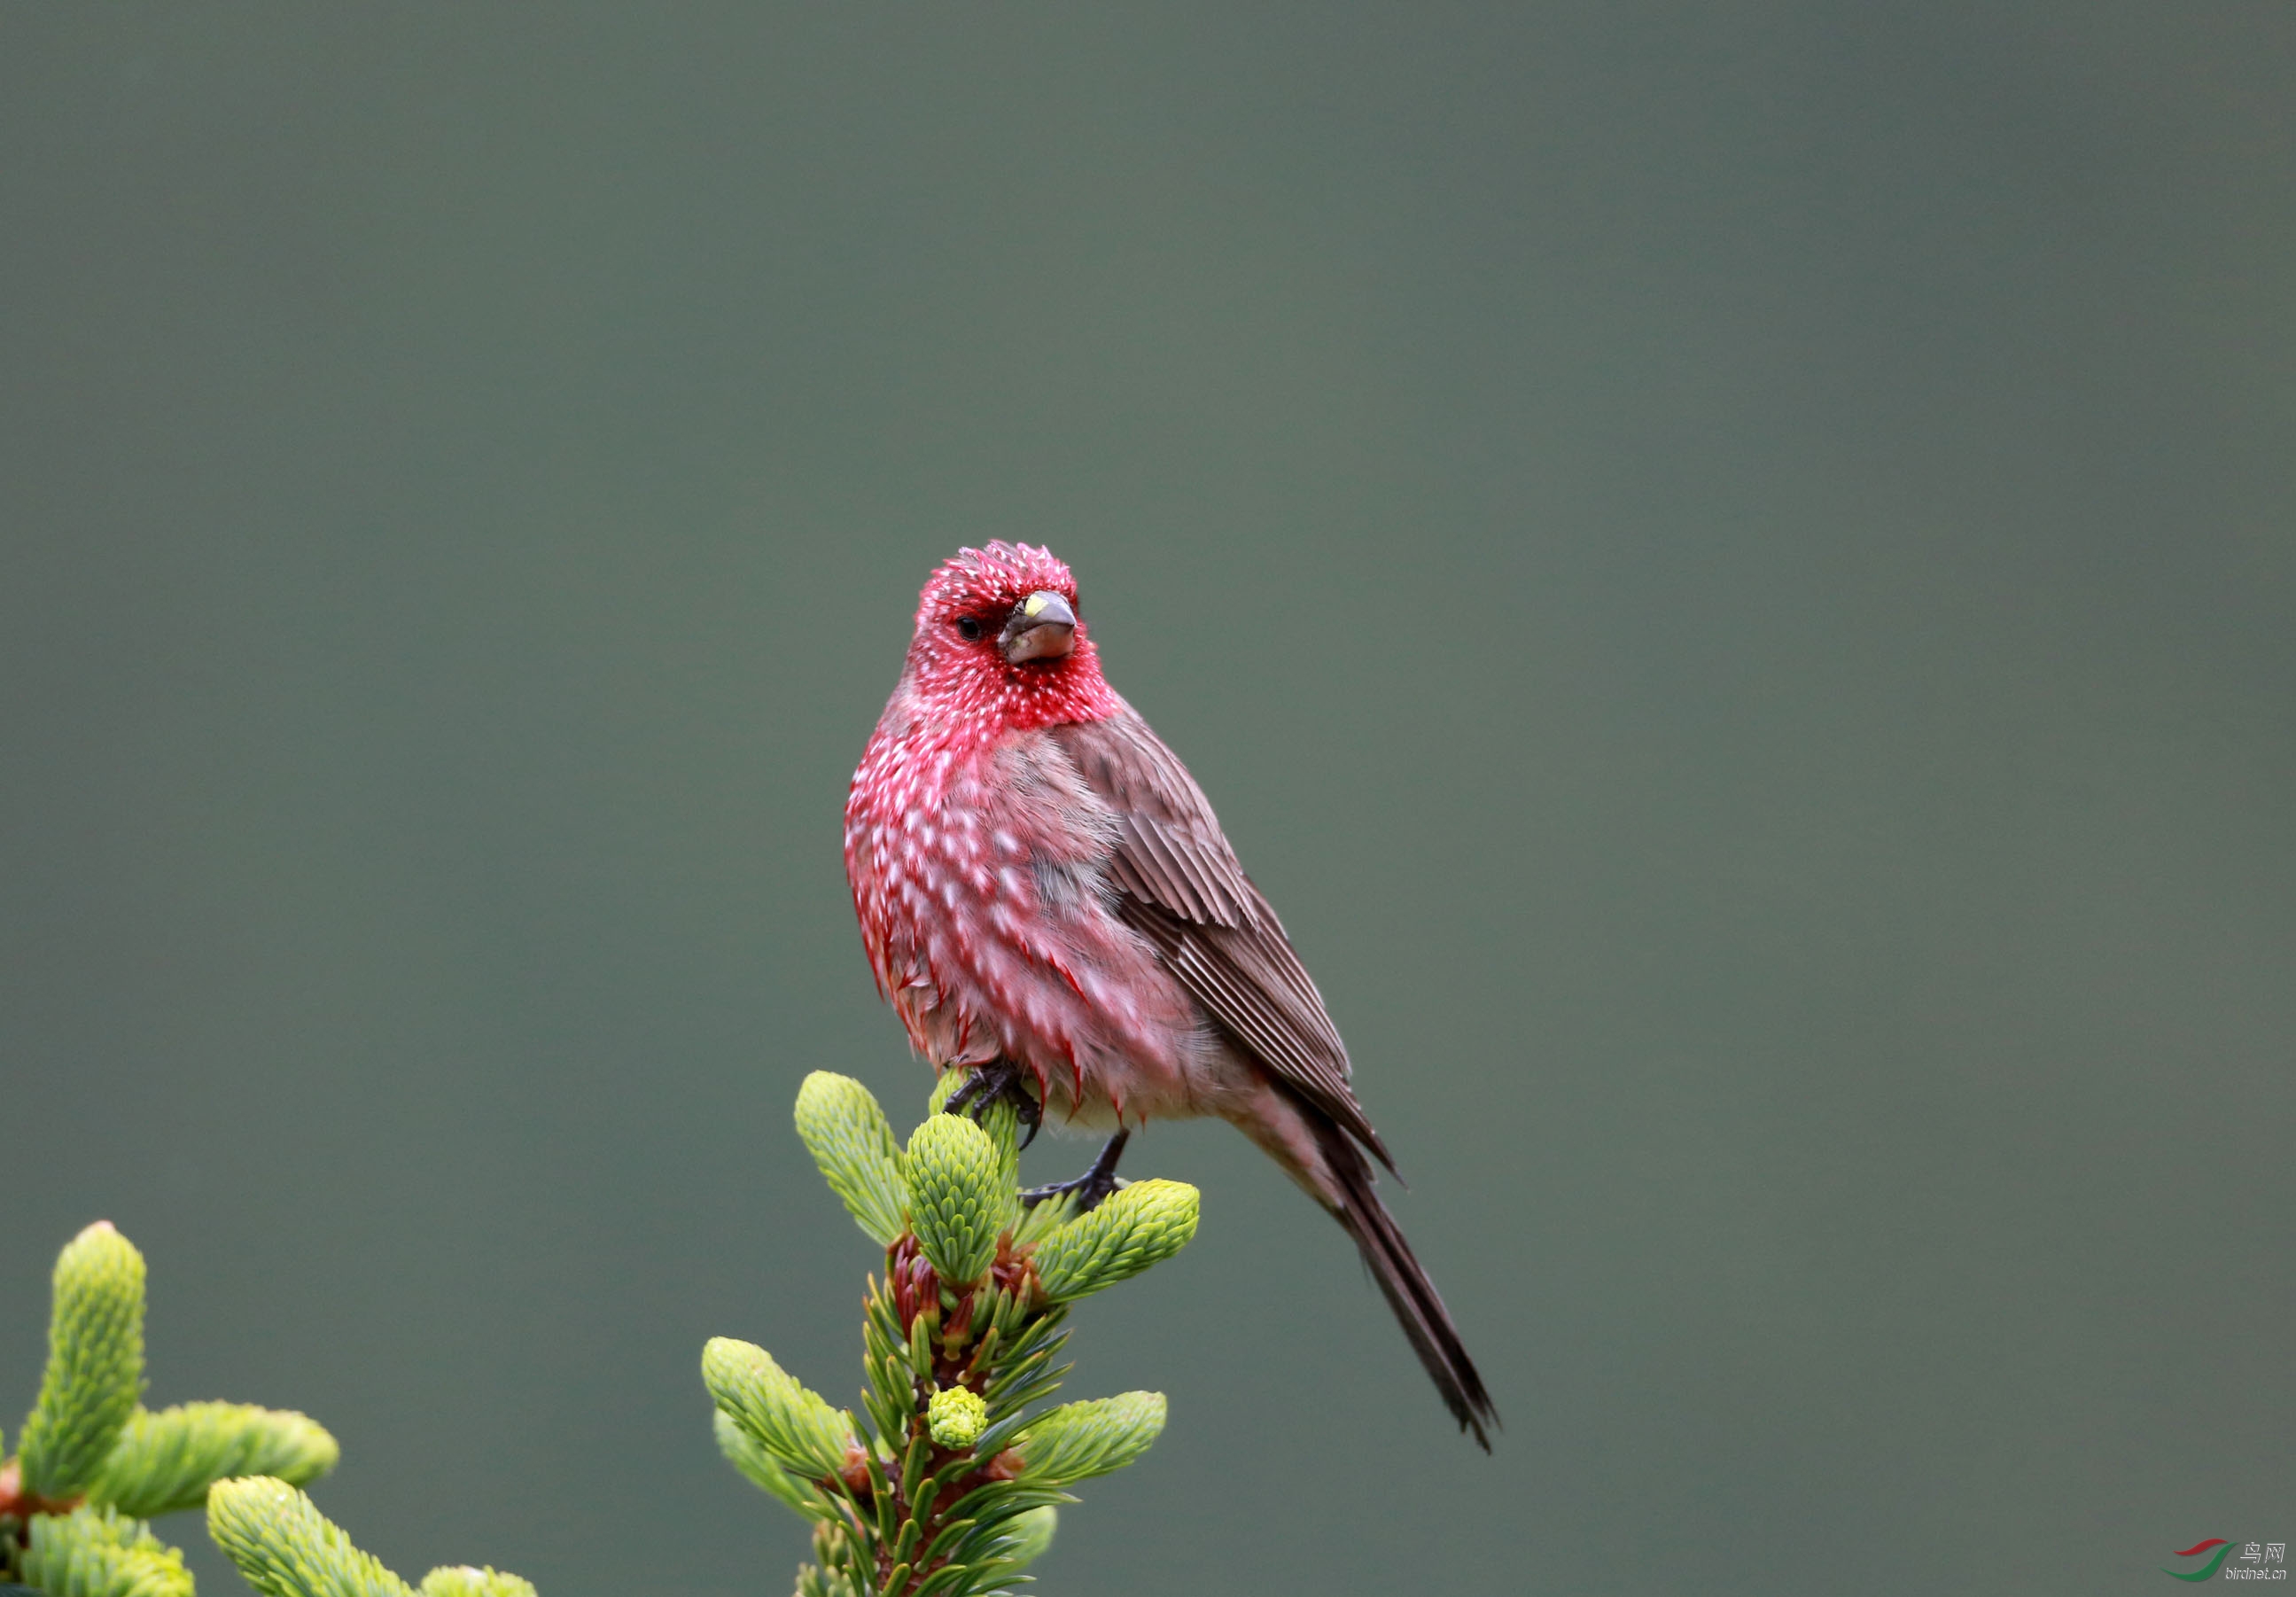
1729,570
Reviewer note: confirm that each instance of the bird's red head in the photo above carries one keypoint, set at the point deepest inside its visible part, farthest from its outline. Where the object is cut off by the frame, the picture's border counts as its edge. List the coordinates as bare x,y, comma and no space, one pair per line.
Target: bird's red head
1000,642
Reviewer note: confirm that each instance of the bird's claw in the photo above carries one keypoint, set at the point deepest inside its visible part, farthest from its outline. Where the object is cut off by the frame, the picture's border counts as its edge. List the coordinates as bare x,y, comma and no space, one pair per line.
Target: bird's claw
999,1080
1090,1189
1087,1191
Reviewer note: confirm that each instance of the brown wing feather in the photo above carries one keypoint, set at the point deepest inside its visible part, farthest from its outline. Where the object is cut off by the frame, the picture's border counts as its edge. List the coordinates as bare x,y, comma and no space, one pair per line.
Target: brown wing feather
1179,885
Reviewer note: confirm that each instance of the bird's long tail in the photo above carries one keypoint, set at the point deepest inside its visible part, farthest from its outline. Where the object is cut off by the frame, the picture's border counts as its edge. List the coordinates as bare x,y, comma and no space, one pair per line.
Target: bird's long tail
1418,1307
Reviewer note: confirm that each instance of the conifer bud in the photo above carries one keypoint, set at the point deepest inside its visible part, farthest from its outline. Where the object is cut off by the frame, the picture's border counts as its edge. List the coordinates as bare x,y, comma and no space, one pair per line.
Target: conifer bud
957,1417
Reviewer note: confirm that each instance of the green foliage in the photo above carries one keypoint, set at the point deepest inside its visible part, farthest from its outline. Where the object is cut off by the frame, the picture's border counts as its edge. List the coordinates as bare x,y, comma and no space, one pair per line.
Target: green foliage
101,1553
797,1429
462,1580
827,1578
286,1548
946,1485
1032,1534
1078,1440
95,1364
96,1465
1001,1119
849,1137
167,1460
746,1453
1143,1224
958,1198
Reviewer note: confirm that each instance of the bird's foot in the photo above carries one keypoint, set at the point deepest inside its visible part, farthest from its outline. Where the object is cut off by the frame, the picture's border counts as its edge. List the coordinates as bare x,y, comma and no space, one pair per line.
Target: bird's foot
1000,1080
1088,1191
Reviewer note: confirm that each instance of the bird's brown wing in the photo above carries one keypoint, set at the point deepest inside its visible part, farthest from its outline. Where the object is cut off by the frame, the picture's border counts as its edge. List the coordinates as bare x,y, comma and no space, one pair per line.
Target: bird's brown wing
1179,886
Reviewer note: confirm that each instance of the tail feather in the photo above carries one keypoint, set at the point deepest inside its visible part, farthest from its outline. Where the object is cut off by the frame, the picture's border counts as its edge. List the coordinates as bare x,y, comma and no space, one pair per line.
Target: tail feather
1418,1307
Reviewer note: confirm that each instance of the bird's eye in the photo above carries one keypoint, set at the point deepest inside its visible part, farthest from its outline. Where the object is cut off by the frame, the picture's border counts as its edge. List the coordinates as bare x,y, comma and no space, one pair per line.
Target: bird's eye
968,627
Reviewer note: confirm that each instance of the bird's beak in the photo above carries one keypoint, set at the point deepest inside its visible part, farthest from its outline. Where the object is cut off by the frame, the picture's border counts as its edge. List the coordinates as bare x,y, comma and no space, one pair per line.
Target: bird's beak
1043,627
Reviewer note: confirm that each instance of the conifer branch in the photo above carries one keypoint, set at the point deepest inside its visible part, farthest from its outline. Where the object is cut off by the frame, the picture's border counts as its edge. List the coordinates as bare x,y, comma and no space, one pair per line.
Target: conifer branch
285,1547
946,1484
101,1553
94,1465
95,1364
165,1461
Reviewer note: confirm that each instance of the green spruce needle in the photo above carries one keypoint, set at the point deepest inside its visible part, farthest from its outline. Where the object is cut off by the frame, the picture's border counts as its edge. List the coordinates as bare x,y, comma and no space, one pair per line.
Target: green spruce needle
95,1363
1141,1226
797,1428
954,1489
165,1461
1078,1440
847,1134
101,1553
461,1580
959,1198
284,1547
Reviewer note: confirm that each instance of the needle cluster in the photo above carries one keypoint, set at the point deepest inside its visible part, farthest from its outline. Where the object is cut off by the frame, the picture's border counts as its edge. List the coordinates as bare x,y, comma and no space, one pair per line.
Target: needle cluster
94,1465
946,1484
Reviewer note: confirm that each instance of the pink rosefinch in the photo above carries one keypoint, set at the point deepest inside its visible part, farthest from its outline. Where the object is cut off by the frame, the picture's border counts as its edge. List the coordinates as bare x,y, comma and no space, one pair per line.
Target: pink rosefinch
1047,899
